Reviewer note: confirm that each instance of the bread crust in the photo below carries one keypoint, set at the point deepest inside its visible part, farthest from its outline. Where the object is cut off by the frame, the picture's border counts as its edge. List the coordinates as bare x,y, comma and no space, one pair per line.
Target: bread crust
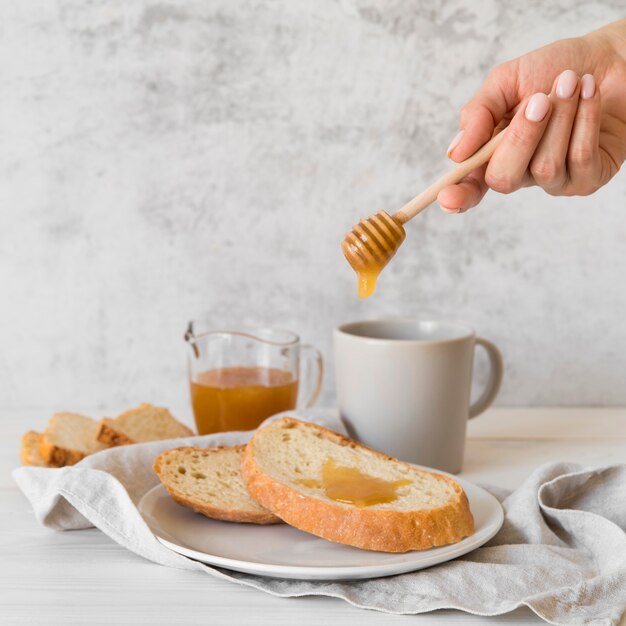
227,515
29,450
58,457
110,436
381,530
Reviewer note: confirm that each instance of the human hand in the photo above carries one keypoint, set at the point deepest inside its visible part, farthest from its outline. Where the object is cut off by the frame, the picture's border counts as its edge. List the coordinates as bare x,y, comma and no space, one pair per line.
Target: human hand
570,143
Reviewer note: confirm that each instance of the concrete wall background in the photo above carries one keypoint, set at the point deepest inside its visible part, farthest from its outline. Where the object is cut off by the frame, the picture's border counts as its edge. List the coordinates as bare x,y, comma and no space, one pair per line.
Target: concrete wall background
161,159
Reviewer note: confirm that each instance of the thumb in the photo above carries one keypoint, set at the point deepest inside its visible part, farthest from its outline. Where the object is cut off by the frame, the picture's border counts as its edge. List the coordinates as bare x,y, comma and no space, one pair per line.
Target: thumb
479,117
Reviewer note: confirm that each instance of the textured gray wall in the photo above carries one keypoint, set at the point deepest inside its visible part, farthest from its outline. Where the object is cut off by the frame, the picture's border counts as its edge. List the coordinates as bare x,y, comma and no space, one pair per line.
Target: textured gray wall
159,159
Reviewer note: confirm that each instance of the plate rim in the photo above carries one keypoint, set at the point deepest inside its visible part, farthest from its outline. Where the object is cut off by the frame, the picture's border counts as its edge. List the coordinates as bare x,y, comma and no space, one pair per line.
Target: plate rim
330,572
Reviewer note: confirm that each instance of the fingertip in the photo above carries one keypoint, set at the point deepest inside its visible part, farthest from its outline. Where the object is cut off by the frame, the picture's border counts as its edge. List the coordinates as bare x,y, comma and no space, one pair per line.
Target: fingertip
463,149
449,210
588,87
478,125
566,84
455,154
451,199
455,142
537,107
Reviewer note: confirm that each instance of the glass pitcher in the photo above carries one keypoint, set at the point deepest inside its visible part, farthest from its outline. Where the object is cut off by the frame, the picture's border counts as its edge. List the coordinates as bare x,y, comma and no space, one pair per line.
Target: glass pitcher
238,378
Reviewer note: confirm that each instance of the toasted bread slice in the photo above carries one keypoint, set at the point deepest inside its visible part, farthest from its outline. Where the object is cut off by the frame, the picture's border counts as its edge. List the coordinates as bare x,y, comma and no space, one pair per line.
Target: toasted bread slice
208,480
145,423
338,489
29,450
68,438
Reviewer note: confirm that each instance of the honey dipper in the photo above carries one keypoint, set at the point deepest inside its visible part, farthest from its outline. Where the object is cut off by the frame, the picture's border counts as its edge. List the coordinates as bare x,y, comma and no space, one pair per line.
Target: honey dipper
369,246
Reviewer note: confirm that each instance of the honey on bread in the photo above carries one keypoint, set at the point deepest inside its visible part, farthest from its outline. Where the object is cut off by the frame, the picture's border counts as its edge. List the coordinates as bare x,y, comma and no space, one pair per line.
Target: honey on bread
351,486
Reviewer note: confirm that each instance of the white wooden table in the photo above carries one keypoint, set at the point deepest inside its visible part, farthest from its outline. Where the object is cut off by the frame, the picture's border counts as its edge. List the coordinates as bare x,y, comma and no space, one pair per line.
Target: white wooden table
83,577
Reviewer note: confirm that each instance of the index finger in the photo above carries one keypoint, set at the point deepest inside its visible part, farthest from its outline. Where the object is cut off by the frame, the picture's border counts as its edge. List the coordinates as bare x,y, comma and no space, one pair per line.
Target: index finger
480,116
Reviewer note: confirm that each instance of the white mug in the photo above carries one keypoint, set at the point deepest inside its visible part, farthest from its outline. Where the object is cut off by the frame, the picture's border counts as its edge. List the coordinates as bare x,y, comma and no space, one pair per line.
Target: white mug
403,387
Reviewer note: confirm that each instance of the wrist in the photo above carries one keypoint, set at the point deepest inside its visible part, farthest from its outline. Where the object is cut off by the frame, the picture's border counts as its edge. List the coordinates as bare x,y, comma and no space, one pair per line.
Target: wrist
610,37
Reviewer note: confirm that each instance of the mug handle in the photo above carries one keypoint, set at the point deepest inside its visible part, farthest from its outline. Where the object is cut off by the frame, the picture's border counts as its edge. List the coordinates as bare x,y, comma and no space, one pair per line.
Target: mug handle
312,355
496,369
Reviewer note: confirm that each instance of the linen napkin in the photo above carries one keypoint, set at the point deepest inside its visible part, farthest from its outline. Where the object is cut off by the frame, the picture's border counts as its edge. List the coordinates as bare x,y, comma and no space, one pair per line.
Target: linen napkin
561,550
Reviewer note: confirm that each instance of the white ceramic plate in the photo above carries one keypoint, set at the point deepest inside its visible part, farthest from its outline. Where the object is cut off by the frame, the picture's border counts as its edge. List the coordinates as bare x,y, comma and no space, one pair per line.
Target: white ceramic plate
282,551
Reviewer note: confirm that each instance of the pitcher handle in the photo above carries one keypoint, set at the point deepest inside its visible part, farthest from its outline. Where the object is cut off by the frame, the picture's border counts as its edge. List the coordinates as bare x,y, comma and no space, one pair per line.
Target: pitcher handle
312,355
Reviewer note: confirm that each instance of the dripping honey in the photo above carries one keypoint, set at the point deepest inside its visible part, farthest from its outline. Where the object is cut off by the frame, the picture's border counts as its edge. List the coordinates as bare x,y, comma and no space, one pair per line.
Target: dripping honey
351,486
367,282
370,245
240,398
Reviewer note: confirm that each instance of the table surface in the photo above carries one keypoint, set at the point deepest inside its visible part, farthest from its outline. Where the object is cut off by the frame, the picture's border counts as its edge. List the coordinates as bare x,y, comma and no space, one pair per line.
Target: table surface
83,577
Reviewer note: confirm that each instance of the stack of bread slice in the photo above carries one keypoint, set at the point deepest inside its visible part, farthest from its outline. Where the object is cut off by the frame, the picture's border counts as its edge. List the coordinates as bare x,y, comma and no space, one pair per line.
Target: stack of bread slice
209,481
145,423
70,437
281,475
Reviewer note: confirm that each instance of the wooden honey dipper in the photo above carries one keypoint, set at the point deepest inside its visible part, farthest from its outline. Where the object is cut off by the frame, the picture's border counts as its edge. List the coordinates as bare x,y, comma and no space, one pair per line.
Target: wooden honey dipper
369,246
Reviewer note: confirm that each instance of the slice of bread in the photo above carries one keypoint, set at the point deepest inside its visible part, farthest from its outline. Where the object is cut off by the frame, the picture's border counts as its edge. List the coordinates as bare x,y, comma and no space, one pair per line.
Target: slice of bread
145,423
29,450
208,480
285,466
68,438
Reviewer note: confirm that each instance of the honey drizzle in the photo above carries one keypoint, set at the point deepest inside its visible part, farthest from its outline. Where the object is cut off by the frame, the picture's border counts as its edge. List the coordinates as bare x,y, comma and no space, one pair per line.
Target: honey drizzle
351,486
370,245
367,283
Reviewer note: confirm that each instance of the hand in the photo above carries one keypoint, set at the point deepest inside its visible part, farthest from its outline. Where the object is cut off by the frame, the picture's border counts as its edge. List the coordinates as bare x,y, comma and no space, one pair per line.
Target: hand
570,143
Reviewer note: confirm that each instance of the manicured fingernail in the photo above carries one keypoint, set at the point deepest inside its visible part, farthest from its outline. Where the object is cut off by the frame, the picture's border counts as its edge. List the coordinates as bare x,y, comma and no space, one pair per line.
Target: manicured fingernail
566,84
455,142
588,89
446,209
537,107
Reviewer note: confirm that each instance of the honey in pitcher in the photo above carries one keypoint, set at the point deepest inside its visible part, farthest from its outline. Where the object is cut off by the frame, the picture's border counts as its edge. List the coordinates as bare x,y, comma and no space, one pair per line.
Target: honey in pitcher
240,398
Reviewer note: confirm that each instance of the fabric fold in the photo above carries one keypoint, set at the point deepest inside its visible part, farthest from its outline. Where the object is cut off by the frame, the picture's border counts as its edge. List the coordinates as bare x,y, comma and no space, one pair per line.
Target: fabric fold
561,550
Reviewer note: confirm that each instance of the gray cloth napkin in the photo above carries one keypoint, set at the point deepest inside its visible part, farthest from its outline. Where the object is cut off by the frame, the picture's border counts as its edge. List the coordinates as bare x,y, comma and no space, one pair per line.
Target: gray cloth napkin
561,551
